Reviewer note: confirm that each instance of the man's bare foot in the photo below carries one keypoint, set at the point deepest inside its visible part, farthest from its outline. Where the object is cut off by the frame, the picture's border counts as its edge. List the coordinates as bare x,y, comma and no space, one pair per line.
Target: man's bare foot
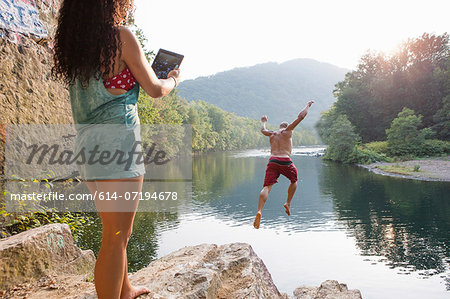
257,220
135,292
288,209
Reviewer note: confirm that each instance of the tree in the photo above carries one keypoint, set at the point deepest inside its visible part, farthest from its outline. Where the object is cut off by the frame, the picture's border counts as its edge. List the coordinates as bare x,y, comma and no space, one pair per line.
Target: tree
404,136
325,123
442,117
442,120
149,54
417,76
342,140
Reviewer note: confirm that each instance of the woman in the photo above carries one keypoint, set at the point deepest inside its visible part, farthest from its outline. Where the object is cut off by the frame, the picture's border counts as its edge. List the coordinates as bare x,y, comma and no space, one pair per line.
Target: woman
103,65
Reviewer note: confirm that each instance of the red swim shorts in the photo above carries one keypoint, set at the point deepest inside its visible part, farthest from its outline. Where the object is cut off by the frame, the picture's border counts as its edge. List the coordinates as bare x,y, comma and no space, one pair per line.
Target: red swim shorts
277,166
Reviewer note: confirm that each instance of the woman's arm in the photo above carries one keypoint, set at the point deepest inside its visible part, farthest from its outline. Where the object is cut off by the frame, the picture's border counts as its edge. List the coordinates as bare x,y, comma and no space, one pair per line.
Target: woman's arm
134,58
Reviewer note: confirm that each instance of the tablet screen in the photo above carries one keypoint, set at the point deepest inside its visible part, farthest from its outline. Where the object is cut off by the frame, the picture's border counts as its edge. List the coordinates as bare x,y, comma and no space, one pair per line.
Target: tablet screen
165,61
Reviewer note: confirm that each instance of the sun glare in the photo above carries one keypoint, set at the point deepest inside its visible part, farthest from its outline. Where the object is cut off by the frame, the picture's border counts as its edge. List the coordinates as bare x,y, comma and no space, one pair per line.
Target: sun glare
216,36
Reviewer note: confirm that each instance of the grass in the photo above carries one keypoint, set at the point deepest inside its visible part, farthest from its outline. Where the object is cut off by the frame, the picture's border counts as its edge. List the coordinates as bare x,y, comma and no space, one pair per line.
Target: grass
399,169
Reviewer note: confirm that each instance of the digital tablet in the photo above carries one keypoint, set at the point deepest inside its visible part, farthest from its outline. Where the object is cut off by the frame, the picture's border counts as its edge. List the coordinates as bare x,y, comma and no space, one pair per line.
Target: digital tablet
165,61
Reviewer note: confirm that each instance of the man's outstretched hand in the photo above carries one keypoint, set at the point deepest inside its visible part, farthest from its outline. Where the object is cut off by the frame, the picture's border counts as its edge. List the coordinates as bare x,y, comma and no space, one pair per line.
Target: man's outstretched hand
303,113
264,118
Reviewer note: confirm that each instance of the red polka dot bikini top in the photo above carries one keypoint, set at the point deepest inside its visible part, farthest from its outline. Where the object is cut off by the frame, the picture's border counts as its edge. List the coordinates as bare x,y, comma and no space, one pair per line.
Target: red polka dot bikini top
123,80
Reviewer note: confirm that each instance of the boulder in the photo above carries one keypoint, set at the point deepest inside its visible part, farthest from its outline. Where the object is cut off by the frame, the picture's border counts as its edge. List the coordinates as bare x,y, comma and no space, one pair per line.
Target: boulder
203,271
209,271
228,271
41,251
329,289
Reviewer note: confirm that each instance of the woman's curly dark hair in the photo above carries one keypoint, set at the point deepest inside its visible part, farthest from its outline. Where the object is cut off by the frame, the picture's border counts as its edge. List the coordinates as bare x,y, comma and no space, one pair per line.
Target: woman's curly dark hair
87,38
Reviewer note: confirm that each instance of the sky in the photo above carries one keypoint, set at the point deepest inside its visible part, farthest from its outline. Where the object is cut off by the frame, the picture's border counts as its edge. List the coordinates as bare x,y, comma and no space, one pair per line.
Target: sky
215,36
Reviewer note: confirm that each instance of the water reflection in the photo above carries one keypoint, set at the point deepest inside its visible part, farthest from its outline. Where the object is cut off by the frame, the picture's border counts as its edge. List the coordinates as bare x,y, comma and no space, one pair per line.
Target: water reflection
143,243
230,186
405,221
216,173
401,223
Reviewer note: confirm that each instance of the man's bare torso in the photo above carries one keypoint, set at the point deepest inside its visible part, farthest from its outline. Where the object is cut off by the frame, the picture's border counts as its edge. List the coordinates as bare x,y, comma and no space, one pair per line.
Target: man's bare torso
281,143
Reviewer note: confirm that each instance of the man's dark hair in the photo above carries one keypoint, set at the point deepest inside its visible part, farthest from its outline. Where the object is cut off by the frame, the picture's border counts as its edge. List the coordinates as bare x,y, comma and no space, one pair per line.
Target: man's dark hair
284,124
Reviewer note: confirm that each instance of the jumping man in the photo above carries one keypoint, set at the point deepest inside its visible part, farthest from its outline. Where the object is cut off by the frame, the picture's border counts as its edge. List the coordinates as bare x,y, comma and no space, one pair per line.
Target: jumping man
280,161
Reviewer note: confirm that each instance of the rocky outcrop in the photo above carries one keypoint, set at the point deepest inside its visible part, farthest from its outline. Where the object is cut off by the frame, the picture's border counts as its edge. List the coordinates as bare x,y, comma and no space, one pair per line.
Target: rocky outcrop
204,271
49,249
329,289
209,271
28,94
48,13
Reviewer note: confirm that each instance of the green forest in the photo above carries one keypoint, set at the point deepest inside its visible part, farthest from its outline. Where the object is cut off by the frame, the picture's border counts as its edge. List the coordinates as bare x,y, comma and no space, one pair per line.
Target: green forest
392,106
213,129
279,90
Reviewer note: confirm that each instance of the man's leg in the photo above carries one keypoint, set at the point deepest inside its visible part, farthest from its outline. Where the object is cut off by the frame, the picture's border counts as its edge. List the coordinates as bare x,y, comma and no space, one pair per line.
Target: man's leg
291,192
263,195
290,172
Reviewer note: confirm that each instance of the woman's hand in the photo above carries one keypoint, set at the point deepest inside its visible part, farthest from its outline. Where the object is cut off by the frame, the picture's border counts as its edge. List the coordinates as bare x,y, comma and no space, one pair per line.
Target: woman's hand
134,58
175,73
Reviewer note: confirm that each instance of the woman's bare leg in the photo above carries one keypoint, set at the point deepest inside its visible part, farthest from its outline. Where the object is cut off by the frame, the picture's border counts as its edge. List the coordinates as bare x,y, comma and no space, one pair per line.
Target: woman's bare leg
92,186
111,277
129,291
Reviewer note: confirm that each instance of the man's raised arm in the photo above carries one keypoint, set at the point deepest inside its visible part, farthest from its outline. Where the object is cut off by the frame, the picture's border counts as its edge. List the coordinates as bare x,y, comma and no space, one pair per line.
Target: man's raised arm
263,126
300,117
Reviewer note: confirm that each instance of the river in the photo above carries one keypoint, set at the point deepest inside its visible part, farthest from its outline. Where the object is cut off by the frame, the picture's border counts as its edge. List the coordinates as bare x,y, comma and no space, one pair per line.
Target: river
387,237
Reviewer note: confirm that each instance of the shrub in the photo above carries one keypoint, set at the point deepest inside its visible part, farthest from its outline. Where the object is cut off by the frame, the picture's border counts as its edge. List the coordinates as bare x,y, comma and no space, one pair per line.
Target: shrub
341,141
380,147
325,123
23,219
434,147
404,137
14,223
364,155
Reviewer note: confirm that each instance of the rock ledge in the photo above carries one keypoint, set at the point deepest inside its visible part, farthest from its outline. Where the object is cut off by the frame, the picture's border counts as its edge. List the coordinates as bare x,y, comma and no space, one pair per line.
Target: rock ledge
37,259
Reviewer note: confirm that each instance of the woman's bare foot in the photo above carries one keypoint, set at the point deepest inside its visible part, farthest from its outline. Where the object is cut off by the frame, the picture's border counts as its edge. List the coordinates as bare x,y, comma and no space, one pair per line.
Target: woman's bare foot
288,209
257,220
135,292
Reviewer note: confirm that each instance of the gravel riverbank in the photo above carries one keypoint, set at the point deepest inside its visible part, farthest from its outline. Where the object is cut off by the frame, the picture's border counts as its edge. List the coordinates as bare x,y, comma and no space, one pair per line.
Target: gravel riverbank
436,169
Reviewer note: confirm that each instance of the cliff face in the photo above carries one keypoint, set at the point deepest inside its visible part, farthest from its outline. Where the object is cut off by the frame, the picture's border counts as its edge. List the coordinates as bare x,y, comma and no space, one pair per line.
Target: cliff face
28,94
